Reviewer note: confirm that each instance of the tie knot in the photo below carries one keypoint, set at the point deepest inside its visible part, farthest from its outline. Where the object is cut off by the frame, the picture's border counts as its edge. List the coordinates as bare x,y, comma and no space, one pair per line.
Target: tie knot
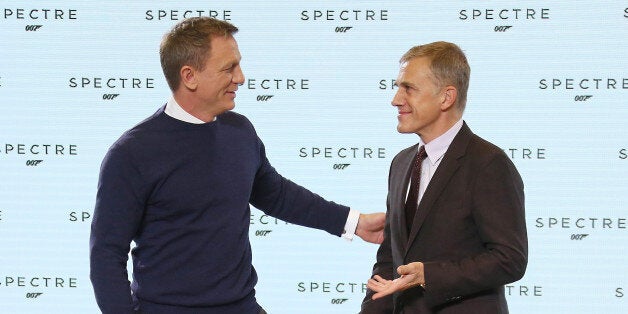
422,154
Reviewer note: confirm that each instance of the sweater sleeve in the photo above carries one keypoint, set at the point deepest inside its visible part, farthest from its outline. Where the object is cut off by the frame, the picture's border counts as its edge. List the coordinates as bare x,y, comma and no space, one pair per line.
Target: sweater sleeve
288,201
117,217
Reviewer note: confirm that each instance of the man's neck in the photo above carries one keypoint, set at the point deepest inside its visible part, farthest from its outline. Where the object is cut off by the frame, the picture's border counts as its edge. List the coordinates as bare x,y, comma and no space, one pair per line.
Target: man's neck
193,108
440,128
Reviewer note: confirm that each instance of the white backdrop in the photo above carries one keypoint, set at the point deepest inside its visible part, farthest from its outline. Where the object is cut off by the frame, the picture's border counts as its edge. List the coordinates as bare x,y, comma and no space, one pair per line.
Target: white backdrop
548,85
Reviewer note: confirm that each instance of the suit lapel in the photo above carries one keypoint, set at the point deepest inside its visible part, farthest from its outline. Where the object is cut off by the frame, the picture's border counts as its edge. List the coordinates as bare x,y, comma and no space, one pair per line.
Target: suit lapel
401,181
448,166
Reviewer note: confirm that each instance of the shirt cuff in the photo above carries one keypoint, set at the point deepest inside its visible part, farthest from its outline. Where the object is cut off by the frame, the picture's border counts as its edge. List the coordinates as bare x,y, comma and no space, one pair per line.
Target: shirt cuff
351,224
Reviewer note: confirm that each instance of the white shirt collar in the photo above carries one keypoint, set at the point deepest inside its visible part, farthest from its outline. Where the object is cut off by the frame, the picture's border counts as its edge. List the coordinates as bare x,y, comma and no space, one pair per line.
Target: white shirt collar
436,148
174,110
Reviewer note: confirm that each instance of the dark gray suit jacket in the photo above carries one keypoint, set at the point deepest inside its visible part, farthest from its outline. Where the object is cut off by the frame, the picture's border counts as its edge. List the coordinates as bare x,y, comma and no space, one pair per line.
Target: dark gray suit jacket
469,231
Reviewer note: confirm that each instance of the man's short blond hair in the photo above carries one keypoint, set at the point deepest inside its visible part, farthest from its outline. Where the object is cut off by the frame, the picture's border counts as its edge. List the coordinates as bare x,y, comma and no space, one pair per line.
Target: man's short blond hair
448,64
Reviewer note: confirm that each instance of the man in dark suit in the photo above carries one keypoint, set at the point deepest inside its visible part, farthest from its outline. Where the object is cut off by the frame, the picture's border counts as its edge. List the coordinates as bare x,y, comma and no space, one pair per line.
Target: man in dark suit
455,228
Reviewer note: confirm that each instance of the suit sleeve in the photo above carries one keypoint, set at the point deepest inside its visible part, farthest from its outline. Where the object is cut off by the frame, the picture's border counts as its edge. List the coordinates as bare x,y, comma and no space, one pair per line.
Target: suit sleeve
498,211
383,267
117,217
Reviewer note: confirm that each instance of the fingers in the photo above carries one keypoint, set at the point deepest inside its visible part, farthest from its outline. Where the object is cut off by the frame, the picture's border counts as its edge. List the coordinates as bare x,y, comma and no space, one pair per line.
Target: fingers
376,283
376,221
379,238
378,278
381,286
375,286
375,237
379,295
384,287
370,227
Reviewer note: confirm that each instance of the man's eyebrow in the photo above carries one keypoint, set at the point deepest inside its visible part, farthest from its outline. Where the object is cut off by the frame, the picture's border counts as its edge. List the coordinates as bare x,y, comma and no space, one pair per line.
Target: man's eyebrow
403,84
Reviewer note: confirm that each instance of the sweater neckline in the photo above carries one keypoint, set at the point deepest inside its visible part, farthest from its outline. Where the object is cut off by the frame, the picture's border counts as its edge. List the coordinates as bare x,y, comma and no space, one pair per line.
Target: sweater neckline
179,123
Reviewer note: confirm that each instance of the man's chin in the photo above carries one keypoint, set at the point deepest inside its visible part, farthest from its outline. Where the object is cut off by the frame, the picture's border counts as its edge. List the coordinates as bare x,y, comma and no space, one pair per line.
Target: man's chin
403,130
226,108
230,106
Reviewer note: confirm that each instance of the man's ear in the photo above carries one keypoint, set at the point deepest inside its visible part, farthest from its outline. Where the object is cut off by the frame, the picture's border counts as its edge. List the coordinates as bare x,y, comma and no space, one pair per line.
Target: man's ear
188,77
450,94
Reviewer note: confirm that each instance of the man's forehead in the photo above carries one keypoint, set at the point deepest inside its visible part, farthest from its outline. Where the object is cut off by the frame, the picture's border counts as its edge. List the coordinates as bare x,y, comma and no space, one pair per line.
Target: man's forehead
418,64
224,48
402,69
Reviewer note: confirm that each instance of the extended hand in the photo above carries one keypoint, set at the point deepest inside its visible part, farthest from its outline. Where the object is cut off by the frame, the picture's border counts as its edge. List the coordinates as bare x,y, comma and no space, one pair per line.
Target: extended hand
411,276
371,227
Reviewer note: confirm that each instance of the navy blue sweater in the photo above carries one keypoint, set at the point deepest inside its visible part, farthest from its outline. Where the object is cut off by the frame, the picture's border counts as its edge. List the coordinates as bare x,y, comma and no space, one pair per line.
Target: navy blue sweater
181,192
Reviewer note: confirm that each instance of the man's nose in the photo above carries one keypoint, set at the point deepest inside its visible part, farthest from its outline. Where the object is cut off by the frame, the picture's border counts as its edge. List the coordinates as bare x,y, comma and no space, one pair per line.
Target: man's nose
238,76
396,101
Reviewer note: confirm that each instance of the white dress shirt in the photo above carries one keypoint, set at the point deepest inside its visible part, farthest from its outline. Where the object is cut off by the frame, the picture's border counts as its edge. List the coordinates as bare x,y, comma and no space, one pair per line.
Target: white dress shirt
435,150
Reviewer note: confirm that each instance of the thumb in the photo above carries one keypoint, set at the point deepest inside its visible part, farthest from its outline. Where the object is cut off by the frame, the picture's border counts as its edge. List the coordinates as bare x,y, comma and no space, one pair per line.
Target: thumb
403,270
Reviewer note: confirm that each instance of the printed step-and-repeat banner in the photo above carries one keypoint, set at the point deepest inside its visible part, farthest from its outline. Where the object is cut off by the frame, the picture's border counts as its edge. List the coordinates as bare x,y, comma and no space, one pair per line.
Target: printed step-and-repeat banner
548,85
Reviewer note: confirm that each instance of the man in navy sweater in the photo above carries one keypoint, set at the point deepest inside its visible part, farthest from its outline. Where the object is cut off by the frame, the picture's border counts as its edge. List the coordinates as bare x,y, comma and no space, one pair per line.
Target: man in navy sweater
179,185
